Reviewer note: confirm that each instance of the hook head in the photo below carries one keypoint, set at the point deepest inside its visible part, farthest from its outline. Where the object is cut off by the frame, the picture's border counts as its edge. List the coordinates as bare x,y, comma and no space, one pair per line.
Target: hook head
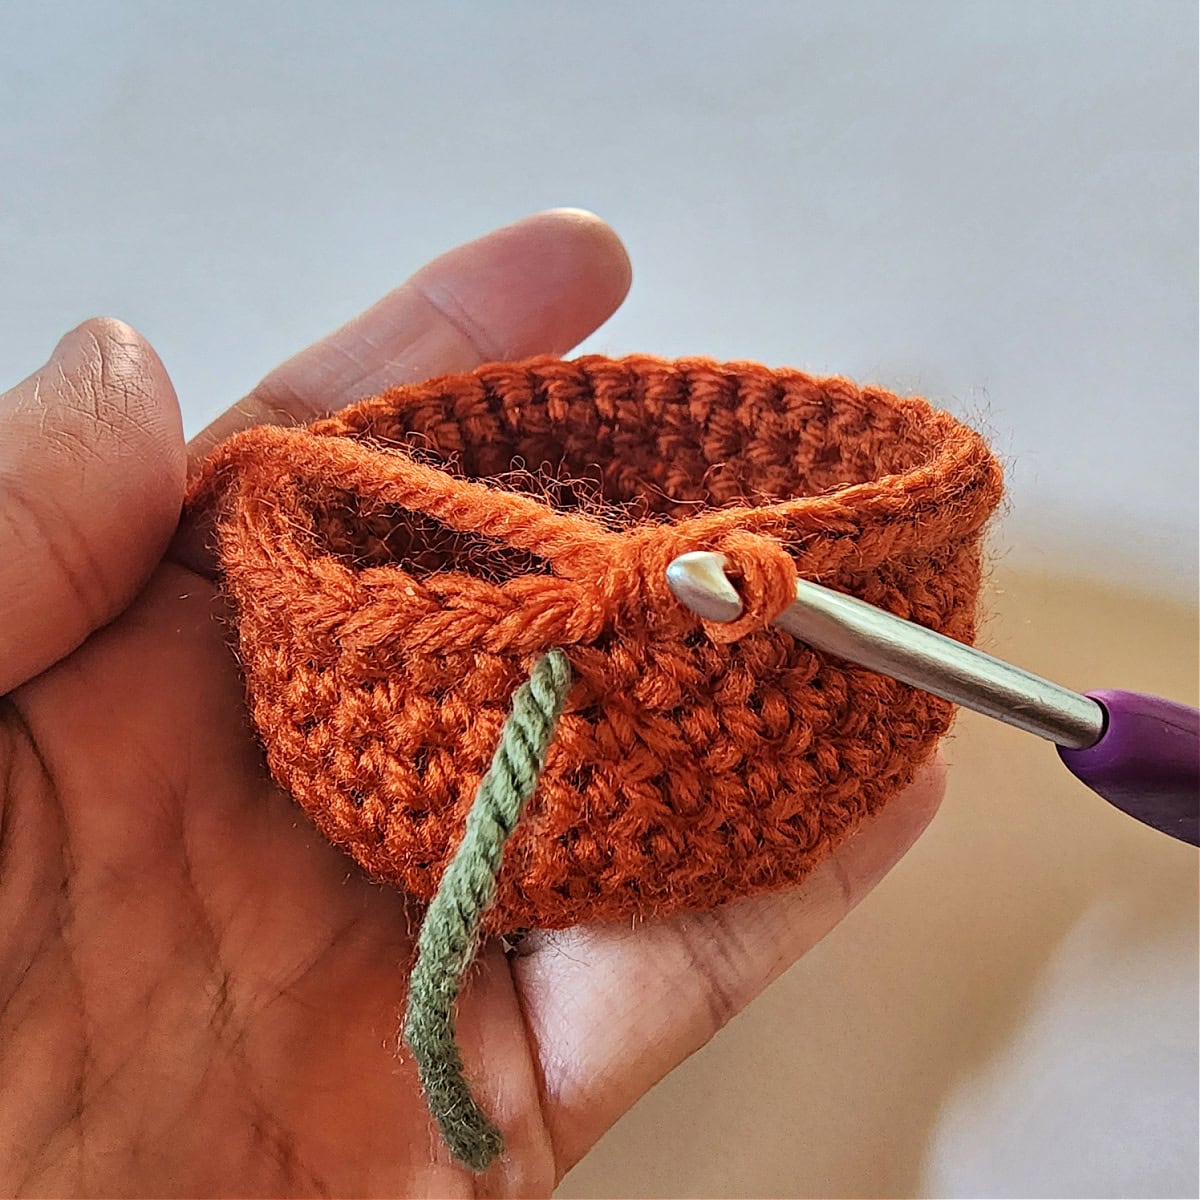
699,582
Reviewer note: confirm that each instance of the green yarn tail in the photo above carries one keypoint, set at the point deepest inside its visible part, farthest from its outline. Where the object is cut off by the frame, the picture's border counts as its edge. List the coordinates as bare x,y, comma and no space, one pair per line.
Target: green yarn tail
450,933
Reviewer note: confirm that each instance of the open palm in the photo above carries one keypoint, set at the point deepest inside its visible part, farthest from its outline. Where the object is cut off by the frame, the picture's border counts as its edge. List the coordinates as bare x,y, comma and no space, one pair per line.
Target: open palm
198,995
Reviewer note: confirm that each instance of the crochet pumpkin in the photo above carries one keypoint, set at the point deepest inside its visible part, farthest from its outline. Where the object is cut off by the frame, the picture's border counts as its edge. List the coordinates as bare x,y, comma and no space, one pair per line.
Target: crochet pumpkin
396,569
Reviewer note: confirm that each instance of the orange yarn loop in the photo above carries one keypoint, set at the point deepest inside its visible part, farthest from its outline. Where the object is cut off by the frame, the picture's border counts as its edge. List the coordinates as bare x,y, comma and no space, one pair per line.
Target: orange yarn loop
396,569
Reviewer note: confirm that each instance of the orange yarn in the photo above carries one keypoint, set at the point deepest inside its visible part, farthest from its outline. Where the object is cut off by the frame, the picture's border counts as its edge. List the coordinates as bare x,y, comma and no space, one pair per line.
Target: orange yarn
397,568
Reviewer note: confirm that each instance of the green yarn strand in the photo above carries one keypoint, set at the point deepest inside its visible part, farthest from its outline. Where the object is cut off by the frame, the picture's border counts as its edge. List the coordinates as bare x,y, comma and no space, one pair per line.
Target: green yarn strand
450,932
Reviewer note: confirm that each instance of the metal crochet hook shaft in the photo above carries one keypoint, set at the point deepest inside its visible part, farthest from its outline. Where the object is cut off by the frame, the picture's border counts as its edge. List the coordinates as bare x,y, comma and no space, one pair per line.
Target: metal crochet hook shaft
859,632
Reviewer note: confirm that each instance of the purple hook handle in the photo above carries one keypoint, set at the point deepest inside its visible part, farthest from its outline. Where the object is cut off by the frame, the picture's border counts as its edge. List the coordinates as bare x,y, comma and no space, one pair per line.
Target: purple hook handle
1147,761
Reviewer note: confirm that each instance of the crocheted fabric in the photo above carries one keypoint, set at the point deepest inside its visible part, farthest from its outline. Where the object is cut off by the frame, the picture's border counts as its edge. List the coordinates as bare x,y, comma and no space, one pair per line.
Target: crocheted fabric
397,568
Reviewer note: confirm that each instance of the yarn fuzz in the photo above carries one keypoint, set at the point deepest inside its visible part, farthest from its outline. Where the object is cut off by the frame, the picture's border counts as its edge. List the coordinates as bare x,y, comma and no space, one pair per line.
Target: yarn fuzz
396,569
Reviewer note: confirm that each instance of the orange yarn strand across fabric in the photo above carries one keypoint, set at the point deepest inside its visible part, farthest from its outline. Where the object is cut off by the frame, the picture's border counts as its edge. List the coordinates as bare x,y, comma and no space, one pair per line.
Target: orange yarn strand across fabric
397,568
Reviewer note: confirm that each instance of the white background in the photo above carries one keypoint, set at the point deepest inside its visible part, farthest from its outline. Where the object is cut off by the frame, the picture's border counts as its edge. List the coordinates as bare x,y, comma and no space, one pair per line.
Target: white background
993,204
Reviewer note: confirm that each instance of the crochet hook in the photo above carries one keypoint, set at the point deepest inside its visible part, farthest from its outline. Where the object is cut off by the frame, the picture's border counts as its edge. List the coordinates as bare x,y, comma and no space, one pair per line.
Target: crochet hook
1140,753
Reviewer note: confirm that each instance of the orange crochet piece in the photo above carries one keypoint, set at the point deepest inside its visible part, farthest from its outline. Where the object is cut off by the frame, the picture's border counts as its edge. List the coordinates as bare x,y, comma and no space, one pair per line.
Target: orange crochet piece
395,570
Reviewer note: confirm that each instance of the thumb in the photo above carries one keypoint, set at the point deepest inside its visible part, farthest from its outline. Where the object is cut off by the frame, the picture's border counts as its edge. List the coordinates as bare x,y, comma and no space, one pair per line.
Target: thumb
91,481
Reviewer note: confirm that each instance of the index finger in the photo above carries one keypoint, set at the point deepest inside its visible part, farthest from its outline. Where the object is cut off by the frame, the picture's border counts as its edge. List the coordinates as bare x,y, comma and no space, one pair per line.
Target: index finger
538,286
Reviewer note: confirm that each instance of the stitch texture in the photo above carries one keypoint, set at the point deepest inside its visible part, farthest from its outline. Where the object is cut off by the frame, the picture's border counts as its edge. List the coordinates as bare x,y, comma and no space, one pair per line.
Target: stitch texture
396,569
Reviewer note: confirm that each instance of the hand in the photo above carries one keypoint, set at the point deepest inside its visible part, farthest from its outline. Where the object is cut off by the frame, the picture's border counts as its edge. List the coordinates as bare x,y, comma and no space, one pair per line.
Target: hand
200,996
